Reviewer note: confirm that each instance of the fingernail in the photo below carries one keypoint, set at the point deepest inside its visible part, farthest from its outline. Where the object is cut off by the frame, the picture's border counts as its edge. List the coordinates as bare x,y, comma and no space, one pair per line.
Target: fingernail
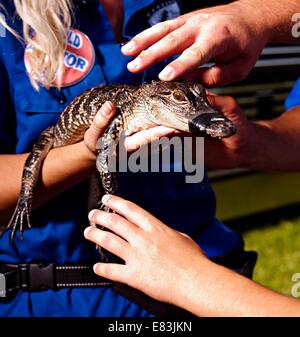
128,46
135,64
91,214
167,73
106,109
95,267
86,231
105,198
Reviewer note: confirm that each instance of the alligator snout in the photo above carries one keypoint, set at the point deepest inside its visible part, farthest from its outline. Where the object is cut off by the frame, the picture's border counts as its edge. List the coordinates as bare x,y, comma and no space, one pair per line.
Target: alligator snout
212,124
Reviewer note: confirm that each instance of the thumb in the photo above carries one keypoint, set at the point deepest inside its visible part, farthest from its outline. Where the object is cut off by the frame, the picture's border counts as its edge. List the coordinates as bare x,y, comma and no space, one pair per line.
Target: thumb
99,125
222,74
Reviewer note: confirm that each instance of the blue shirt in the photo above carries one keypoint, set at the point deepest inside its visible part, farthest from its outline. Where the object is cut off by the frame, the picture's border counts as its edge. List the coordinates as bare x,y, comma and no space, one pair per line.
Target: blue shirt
57,235
293,98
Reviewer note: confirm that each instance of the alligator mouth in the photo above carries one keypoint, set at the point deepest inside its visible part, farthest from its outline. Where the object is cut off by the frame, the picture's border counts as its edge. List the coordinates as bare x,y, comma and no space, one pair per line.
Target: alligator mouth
212,125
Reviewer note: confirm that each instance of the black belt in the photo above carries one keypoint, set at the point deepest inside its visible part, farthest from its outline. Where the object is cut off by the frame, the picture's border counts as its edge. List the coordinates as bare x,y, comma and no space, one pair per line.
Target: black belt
39,276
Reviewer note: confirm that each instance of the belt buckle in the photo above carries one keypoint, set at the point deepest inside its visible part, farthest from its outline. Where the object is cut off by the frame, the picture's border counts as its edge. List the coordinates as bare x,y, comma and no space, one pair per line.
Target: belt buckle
38,276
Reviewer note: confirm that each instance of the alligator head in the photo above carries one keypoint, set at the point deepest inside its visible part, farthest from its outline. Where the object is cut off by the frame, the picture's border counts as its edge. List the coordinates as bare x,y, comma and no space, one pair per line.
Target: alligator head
183,105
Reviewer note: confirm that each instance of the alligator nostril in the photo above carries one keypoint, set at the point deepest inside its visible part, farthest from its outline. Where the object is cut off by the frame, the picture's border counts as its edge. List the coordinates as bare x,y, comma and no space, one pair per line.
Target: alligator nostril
212,125
218,119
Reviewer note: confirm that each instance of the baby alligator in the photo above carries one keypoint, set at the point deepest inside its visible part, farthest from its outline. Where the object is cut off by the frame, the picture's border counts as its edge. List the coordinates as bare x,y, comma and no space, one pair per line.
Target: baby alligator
180,105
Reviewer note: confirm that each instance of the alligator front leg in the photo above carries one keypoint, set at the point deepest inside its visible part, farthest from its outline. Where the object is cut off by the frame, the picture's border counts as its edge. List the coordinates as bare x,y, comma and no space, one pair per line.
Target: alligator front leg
21,216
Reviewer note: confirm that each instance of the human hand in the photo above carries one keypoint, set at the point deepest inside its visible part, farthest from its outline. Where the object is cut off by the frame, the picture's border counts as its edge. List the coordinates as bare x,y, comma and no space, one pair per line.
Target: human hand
98,126
234,151
159,261
233,35
229,152
132,143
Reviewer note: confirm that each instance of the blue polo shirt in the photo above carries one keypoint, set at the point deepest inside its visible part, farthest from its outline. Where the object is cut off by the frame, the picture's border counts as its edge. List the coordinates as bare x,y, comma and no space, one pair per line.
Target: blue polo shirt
293,98
57,235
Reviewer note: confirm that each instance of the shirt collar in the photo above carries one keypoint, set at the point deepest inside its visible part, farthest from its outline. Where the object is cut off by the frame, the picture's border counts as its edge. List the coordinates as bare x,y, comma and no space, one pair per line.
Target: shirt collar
130,8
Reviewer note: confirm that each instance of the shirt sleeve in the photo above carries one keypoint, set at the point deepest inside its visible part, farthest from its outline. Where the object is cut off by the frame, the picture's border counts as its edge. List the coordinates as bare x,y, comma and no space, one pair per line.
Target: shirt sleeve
7,115
293,98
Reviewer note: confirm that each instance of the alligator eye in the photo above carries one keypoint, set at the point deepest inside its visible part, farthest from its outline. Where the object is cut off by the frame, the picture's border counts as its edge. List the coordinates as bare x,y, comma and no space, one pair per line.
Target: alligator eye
179,96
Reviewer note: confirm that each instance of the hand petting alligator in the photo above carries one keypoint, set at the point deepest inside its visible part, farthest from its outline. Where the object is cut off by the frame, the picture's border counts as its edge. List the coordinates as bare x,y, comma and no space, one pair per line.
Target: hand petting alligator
181,105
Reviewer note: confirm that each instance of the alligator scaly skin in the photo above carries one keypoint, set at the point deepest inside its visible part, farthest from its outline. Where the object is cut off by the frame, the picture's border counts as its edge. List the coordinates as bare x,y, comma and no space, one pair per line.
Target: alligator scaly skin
70,128
180,105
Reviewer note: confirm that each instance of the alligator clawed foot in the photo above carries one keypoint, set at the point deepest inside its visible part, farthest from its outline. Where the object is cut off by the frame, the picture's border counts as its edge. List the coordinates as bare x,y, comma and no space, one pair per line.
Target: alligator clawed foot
20,219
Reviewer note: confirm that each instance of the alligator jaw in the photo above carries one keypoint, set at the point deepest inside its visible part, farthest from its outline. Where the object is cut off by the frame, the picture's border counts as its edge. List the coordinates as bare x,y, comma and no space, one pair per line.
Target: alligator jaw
213,125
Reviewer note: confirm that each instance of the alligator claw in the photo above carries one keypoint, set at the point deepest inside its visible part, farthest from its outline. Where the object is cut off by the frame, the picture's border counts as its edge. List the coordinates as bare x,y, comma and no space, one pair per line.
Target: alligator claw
20,219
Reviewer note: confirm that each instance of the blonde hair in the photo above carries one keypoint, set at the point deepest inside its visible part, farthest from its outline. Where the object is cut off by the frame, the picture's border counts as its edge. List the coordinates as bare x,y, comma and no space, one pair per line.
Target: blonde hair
45,27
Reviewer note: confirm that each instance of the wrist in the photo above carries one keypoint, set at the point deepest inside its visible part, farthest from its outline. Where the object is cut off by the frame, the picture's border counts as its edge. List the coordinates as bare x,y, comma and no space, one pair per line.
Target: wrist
274,18
85,156
254,154
254,12
86,153
189,283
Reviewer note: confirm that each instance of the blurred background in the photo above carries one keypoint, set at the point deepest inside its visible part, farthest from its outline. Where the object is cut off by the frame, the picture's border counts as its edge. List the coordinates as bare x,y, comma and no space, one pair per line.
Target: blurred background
263,207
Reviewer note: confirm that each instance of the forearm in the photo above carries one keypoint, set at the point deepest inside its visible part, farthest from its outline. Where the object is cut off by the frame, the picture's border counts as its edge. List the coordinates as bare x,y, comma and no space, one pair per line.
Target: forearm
63,168
271,19
274,17
221,292
275,144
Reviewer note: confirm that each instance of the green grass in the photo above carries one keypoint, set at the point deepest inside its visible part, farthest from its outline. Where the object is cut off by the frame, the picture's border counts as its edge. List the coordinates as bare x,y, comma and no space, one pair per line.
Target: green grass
278,248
